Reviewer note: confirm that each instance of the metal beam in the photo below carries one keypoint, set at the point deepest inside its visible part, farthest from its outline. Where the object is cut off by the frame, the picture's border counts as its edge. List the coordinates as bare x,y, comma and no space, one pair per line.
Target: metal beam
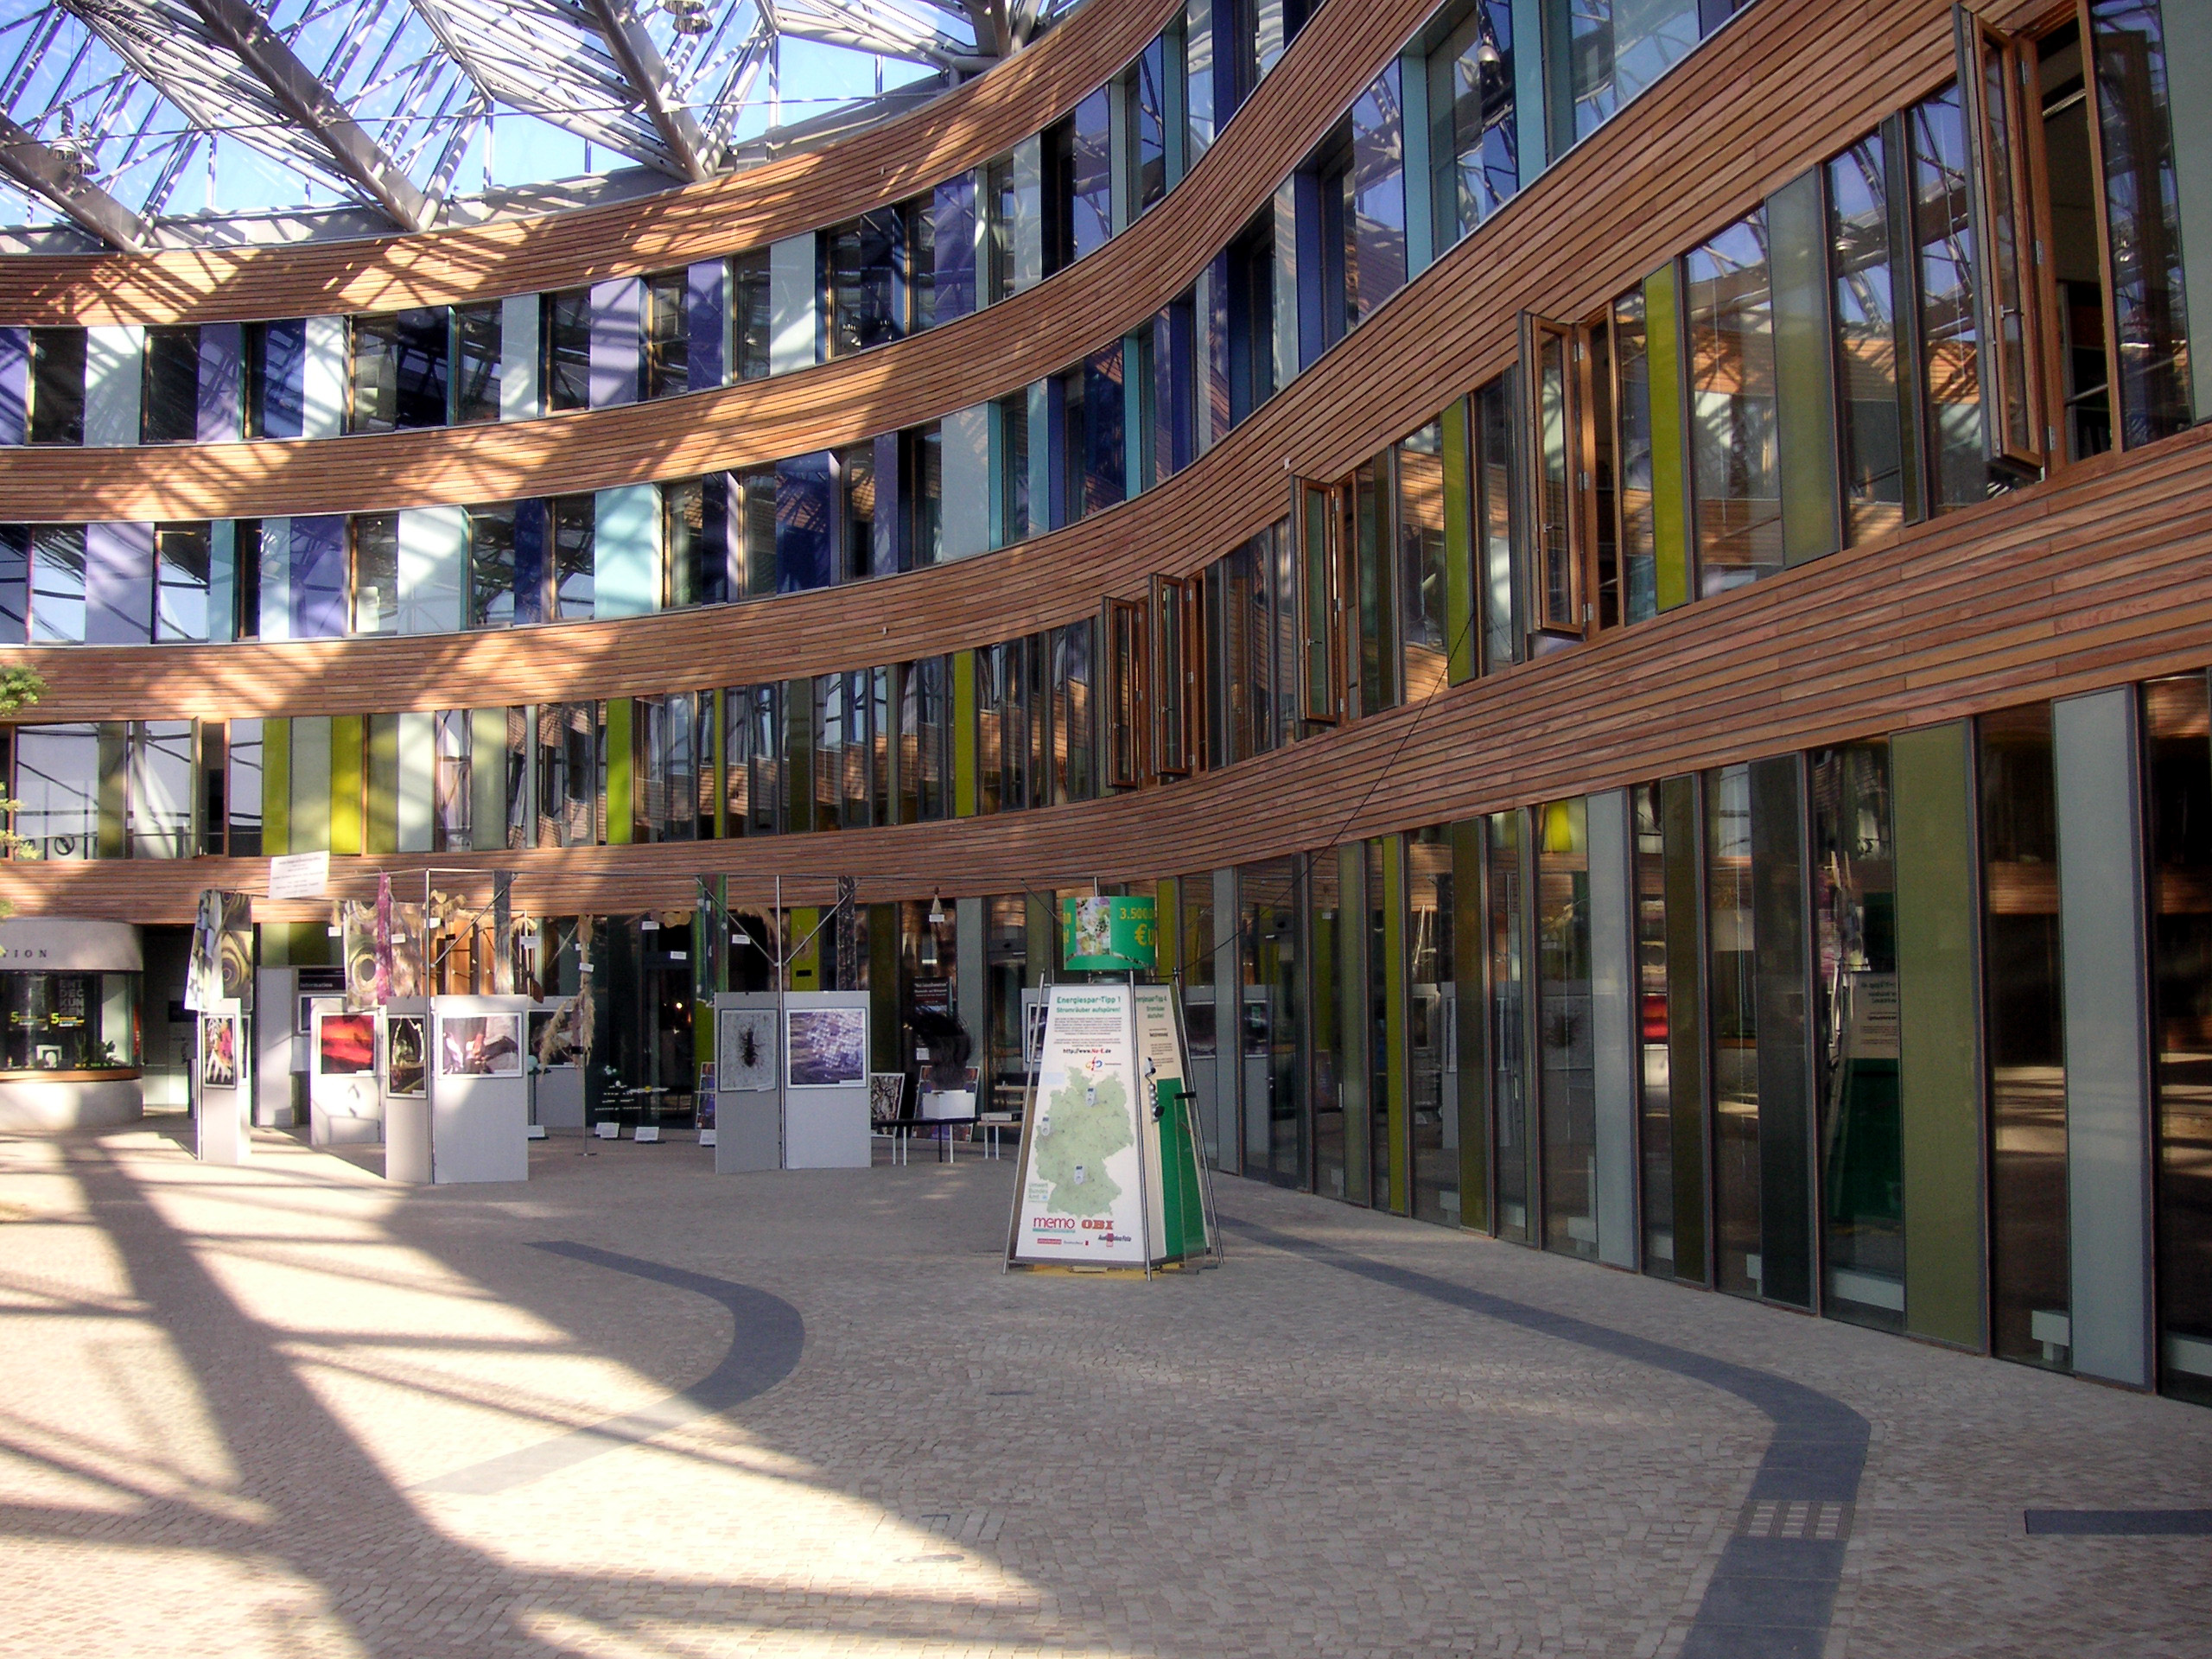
38,166
642,65
315,107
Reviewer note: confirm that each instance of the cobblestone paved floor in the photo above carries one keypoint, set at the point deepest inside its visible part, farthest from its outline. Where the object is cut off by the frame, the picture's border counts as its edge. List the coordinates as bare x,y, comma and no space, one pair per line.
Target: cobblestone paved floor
288,1410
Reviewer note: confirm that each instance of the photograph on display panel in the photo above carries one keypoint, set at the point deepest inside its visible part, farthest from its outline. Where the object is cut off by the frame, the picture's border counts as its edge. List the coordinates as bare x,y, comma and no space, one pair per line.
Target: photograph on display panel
404,1045
348,1044
828,1048
746,1048
218,1051
480,1045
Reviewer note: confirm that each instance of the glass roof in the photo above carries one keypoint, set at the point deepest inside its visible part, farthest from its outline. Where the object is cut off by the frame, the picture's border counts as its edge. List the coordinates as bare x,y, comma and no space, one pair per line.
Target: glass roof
152,123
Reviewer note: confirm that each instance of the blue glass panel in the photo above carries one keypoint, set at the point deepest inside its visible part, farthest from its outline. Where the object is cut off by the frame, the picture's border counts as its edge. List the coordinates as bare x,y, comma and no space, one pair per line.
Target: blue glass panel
15,584
952,224
1105,463
283,364
805,521
119,584
1092,207
1378,197
529,562
318,606
15,383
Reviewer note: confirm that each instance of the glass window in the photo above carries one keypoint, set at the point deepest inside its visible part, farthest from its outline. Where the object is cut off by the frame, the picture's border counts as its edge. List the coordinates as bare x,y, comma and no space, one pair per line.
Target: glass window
57,412
1072,715
1950,383
1010,429
1734,1014
1618,48
376,573
856,495
752,783
1148,101
665,329
1432,1046
15,584
921,493
1736,465
181,572
750,316
1275,1124
1420,578
161,789
58,585
1336,929
2177,810
1474,148
400,366
575,525
275,363
1090,175
753,515
451,800
949,217
169,399
1495,511
476,370
2023,1038
242,787
70,1022
2143,219
1001,208
1638,550
1565,1052
1870,437
564,333
1374,201
57,789
865,277
1504,923
492,565
1855,1031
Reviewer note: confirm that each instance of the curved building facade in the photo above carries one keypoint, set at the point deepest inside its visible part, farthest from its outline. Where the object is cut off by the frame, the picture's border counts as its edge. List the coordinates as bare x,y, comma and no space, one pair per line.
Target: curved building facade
1632,579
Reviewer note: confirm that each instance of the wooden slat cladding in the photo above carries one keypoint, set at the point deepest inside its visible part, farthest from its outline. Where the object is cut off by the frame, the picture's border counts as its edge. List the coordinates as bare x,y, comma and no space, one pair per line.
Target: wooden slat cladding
1036,332
2102,578
1697,150
742,210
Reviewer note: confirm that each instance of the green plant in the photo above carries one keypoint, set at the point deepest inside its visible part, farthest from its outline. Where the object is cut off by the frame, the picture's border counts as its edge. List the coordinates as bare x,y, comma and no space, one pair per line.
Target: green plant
19,689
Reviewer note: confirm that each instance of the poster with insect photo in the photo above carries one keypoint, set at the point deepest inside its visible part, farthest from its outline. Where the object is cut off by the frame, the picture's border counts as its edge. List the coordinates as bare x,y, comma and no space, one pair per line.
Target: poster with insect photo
745,1054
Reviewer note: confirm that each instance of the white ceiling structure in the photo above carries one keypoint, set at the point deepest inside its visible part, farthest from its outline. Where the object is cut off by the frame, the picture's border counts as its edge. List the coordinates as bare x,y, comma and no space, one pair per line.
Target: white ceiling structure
161,122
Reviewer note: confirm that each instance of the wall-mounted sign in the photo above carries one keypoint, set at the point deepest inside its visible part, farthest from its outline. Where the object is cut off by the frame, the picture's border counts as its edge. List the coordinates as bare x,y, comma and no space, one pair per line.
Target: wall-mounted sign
1113,933
299,876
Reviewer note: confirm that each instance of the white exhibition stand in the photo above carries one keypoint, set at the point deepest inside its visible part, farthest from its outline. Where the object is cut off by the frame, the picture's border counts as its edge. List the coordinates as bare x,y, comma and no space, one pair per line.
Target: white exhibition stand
822,1047
466,1117
344,1102
273,989
223,1112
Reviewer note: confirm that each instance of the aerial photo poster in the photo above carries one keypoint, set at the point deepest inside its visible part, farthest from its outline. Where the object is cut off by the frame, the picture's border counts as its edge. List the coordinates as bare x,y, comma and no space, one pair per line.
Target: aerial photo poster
1079,1196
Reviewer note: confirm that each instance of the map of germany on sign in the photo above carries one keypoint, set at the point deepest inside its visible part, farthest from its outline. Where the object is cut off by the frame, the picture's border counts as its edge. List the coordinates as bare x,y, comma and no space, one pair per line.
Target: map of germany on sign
1081,1126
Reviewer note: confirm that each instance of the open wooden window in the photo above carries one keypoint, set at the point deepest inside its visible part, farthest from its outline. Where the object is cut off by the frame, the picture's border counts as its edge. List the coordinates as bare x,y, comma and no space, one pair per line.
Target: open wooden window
1177,702
1317,523
1128,699
1553,364
2004,163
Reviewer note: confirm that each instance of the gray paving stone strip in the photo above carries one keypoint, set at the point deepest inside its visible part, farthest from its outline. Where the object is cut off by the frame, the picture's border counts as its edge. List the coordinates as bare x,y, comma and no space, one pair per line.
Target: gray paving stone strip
2119,1523
1769,1598
766,1337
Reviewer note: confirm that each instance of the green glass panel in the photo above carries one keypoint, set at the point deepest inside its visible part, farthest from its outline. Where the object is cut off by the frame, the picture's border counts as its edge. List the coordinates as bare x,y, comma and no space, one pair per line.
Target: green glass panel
1939,1096
965,760
1804,370
345,744
1670,545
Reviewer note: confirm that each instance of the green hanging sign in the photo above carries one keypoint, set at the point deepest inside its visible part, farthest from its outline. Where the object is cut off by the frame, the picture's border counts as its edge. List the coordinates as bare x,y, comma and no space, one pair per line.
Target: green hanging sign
1112,933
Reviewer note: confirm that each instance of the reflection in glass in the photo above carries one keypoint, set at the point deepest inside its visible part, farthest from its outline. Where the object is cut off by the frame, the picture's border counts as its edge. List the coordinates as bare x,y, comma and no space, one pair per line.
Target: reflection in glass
2177,808
1566,1057
1508,1014
1421,563
1432,1070
69,1022
1864,306
1273,1085
1735,456
1470,102
2025,1037
1949,345
1337,1038
1639,563
2076,252
1855,1048
1731,971
1618,48
2142,202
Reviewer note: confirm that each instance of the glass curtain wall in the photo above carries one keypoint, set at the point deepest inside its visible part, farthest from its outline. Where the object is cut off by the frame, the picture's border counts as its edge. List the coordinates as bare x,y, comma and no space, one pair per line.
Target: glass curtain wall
2177,810
1863,303
1855,1035
1735,456
1432,1014
2023,1038
1275,1124
1506,924
1731,975
1337,1020
1567,1077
